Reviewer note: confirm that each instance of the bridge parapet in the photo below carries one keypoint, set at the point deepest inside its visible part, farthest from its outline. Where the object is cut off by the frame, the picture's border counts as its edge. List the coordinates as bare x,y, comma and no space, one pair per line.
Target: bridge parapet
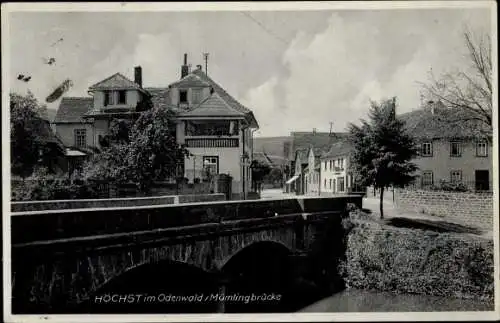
24,206
64,224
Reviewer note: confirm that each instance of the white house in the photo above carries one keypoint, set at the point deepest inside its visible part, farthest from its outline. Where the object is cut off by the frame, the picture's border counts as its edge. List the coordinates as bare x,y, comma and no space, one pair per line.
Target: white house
216,129
336,172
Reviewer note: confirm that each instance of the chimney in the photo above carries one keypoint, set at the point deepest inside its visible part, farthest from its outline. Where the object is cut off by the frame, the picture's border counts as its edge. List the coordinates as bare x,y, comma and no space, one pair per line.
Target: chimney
185,67
138,75
314,131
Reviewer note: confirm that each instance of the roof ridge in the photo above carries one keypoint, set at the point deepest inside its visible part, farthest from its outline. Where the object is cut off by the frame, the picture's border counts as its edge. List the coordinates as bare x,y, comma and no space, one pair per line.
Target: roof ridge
77,98
135,85
106,79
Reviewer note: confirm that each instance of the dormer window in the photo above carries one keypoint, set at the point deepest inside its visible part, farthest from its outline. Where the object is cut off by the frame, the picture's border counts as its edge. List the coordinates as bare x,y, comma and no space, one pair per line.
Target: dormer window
115,97
183,96
122,97
109,98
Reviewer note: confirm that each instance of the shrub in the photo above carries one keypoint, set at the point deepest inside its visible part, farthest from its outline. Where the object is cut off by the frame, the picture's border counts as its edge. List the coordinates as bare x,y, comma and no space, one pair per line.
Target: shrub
384,258
450,187
43,186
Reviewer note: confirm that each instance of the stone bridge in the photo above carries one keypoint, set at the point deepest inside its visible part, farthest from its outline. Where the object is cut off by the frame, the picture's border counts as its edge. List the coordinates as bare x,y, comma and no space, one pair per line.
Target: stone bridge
61,259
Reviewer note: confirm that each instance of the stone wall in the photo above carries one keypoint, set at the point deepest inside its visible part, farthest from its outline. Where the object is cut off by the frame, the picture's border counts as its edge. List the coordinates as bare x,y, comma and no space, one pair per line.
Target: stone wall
474,209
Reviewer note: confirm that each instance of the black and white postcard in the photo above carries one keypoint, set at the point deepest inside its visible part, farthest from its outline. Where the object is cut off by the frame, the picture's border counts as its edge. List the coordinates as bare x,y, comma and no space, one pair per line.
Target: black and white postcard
247,161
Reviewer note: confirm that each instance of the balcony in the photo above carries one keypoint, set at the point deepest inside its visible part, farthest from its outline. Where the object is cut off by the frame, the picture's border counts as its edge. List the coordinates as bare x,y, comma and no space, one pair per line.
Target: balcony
212,142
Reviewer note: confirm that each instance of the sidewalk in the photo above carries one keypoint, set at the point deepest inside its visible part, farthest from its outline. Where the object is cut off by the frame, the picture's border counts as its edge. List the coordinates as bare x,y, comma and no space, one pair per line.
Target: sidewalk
391,211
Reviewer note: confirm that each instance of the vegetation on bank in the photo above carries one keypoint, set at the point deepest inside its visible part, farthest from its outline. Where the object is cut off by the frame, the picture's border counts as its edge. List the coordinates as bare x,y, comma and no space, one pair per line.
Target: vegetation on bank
412,261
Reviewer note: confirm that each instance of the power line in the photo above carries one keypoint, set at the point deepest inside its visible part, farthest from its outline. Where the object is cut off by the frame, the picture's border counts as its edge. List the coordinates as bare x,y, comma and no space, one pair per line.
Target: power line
265,28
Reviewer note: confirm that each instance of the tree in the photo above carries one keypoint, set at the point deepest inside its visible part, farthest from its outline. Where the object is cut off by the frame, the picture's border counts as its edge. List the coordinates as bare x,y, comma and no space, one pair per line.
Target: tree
118,133
469,89
275,176
32,141
153,152
383,150
259,171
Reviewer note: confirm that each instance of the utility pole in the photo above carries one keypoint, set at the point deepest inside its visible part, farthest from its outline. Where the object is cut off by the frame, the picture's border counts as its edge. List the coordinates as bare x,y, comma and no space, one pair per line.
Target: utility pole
205,57
331,127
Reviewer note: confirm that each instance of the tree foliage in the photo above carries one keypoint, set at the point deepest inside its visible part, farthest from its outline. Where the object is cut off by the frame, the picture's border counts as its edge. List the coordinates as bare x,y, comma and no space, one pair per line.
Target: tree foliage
31,139
259,172
469,88
382,149
141,154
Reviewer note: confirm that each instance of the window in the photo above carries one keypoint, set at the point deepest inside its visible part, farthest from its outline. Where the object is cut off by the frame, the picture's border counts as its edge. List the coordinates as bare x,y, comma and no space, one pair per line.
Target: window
426,149
197,95
427,178
210,167
325,165
455,149
324,185
342,163
122,97
341,184
80,137
330,183
183,96
456,176
331,164
482,149
109,98
212,128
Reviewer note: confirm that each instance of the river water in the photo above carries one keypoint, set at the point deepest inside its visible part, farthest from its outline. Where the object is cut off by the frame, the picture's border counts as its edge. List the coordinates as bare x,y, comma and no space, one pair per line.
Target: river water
352,300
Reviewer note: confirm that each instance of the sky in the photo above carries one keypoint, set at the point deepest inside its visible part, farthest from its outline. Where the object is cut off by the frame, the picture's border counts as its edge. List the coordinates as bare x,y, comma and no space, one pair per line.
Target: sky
296,70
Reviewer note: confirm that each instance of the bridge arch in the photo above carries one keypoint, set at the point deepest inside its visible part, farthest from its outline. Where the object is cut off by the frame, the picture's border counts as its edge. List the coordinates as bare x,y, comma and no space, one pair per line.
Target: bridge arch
166,280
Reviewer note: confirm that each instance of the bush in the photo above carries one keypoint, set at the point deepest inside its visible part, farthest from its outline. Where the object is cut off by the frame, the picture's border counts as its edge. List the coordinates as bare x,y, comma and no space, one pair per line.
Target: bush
384,258
451,187
43,186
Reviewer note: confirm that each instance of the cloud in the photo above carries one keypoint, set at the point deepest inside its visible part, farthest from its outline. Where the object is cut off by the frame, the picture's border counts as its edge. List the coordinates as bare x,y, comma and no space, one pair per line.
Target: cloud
332,76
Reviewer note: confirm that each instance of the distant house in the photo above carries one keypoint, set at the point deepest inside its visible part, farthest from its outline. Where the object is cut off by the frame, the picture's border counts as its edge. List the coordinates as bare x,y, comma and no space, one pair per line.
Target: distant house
453,147
312,173
215,127
299,149
336,170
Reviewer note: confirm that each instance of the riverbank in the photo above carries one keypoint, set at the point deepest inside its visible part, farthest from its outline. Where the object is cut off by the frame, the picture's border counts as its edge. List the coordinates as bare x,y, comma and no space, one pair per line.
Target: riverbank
418,258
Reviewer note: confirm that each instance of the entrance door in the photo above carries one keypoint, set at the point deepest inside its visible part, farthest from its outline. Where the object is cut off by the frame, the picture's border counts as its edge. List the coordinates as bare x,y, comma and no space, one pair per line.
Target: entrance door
482,180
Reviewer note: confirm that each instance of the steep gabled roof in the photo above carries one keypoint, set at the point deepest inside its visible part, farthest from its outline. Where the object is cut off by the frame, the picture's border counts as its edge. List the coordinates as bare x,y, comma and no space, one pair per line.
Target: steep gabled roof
212,106
189,81
71,109
444,123
116,82
227,97
262,158
302,155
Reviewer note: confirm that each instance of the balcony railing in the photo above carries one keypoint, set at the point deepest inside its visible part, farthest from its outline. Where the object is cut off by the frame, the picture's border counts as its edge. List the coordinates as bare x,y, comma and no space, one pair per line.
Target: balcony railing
212,142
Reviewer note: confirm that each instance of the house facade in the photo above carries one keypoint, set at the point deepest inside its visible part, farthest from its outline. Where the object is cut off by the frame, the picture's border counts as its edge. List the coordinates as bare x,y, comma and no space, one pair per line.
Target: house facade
297,150
452,148
312,173
336,169
215,128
